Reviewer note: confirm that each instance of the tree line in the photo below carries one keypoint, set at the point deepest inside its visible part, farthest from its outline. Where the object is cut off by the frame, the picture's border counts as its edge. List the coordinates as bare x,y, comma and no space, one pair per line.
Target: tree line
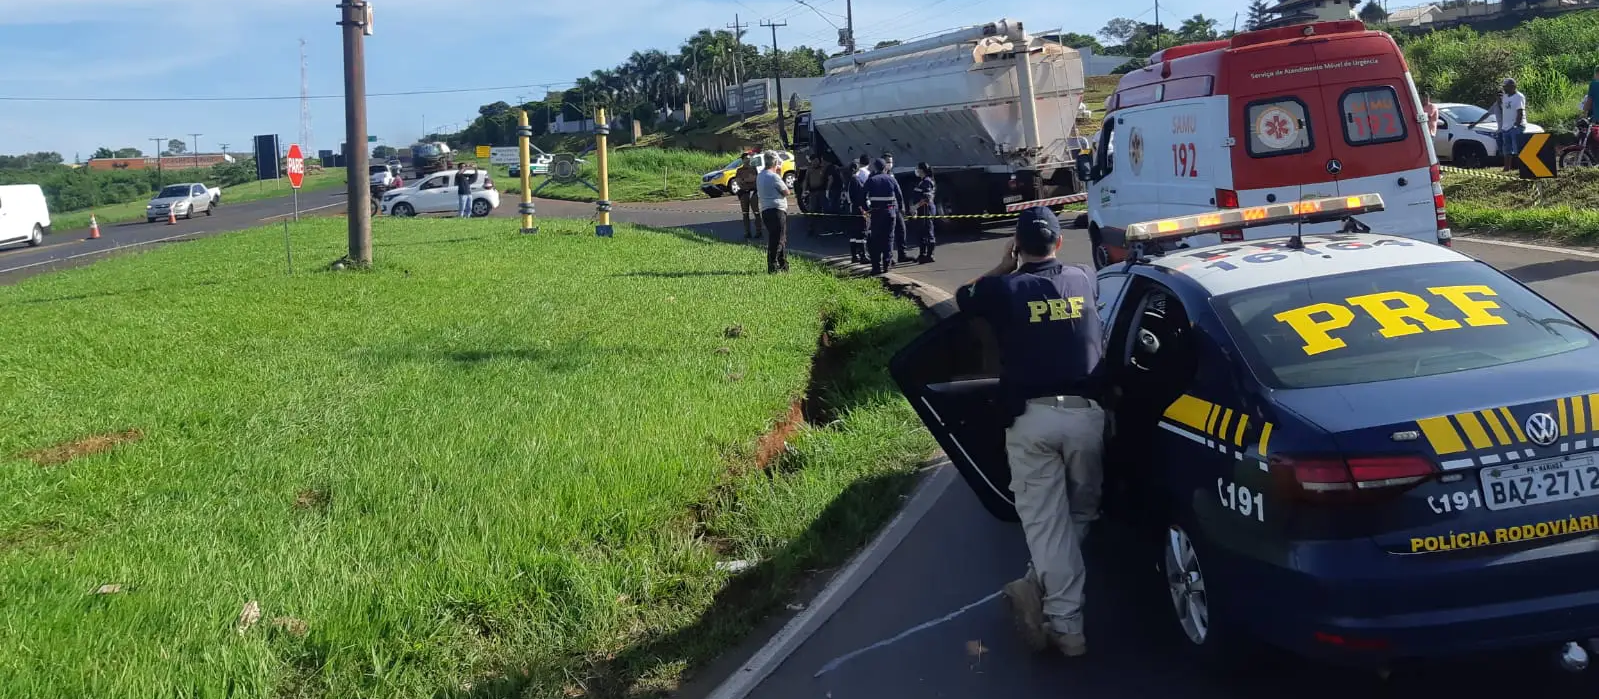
647,84
73,189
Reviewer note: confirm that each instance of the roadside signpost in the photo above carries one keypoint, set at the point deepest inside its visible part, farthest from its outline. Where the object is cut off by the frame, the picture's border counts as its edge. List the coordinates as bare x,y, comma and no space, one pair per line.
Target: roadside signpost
295,164
1536,161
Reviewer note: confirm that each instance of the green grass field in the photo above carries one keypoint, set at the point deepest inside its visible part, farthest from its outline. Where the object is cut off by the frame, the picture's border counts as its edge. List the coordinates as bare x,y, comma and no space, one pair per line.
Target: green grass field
637,175
496,465
1562,208
251,191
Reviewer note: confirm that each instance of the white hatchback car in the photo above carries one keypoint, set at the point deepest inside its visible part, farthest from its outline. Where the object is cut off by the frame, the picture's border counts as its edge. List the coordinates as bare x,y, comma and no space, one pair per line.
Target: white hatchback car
1462,146
436,193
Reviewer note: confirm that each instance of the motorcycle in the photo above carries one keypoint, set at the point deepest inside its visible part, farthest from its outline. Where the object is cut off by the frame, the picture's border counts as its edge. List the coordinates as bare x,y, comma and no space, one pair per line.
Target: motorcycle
1585,152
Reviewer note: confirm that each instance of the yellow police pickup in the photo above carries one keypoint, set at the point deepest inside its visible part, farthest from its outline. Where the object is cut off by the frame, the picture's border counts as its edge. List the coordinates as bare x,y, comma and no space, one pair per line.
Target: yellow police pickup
719,182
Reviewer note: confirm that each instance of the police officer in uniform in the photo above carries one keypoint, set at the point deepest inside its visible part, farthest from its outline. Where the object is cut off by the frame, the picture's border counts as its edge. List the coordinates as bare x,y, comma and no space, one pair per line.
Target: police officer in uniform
857,222
899,221
745,176
883,199
1045,319
925,207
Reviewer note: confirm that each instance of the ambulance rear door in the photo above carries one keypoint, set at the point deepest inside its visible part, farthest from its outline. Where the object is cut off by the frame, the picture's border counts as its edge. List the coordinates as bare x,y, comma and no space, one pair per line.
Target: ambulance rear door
1188,153
1375,143
1277,124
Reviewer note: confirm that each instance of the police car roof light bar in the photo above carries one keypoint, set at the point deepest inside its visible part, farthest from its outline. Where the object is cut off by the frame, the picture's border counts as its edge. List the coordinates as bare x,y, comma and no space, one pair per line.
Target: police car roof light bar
1301,212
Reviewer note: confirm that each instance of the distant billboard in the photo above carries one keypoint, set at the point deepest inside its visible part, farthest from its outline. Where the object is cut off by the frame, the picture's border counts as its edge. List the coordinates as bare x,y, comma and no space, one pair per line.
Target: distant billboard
749,98
266,157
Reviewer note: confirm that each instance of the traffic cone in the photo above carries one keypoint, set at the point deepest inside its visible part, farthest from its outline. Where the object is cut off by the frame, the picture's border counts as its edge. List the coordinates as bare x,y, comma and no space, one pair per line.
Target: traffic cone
94,228
172,218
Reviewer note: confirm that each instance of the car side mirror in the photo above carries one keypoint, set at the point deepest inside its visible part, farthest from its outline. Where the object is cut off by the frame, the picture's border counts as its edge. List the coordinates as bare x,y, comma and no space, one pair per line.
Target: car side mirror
1442,124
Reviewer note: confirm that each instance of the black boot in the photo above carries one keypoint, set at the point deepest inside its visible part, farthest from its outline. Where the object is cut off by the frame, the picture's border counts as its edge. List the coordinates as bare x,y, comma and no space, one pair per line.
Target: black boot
903,258
927,254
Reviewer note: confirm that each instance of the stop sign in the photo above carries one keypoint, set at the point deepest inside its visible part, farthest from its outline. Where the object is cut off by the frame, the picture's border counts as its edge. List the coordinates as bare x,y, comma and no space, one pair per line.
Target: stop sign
296,163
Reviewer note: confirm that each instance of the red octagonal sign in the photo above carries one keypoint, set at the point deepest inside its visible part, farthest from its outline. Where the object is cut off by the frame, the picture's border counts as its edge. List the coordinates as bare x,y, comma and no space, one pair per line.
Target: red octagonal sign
296,164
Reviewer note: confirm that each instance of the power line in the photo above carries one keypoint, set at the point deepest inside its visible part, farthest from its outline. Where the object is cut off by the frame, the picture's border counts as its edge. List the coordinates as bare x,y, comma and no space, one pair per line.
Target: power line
276,98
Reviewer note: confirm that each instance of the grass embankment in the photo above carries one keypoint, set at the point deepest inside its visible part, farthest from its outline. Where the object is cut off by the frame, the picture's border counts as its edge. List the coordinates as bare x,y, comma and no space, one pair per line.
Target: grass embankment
239,194
637,175
462,474
1566,209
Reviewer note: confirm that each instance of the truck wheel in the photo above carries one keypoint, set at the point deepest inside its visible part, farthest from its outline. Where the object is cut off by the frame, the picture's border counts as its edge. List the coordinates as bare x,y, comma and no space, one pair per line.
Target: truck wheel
1097,248
37,238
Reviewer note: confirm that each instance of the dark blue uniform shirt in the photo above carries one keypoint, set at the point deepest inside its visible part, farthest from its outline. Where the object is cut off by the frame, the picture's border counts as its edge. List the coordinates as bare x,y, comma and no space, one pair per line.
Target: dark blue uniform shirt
1047,323
885,189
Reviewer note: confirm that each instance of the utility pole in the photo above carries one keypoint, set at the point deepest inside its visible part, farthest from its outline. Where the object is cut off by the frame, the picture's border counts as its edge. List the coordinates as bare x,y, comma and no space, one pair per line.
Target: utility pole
1157,25
305,100
738,34
354,17
849,26
224,150
194,153
160,181
777,72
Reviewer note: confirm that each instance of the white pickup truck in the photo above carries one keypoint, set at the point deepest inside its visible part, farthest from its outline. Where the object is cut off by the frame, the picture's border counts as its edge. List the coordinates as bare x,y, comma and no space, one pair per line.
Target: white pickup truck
182,201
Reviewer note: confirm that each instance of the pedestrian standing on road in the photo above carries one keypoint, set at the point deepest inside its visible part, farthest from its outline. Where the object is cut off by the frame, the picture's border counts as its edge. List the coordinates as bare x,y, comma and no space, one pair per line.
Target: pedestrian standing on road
773,193
883,199
463,189
899,223
837,195
859,221
926,208
744,178
1044,317
816,181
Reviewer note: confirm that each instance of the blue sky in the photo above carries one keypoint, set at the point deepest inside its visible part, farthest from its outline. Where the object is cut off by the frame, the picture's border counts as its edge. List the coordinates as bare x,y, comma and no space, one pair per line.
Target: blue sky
231,48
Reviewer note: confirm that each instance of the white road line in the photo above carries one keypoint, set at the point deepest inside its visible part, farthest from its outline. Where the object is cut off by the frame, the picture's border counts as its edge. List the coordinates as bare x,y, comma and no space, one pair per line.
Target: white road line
99,252
304,211
1528,246
840,660
838,591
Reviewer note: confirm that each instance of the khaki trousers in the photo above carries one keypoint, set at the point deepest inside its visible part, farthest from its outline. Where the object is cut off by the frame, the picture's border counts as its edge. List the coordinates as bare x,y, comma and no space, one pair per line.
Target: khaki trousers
1055,451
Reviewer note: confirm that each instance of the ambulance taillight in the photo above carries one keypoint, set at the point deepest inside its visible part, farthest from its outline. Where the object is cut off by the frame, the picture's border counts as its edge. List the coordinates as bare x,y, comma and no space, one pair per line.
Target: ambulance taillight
1228,199
1445,237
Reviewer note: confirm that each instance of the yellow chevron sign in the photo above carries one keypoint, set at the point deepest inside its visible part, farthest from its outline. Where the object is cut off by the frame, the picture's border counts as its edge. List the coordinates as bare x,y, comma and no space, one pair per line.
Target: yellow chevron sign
1537,157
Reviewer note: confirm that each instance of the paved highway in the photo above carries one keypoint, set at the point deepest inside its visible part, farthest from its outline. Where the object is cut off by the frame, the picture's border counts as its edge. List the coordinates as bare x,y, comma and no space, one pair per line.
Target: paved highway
63,249
926,622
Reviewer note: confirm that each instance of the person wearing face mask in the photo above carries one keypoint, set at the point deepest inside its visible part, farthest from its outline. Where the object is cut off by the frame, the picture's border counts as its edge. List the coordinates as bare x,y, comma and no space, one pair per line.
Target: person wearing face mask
882,205
899,221
925,208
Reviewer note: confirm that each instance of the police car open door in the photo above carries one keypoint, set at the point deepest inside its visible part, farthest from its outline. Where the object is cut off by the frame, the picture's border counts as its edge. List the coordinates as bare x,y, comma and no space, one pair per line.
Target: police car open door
950,376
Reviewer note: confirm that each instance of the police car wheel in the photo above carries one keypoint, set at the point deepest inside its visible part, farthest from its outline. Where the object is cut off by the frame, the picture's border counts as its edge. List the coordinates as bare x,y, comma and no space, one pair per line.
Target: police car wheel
1202,624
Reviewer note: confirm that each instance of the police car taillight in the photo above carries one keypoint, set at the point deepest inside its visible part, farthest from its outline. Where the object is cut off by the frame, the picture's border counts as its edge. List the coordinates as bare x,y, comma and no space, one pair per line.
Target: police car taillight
1335,479
1445,237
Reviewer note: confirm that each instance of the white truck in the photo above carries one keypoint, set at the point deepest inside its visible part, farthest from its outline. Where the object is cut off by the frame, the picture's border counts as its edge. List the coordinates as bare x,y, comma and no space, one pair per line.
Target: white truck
992,109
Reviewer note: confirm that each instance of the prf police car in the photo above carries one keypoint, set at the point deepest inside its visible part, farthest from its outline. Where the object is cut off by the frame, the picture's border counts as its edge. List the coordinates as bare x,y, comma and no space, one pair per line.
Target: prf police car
1356,446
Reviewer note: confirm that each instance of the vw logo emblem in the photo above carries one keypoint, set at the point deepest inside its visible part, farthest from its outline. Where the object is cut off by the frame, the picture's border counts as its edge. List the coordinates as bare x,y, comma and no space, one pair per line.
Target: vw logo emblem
1542,429
1334,167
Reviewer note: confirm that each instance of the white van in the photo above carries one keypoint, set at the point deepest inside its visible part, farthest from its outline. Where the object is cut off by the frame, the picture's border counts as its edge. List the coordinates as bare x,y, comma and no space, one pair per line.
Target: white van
24,217
1277,115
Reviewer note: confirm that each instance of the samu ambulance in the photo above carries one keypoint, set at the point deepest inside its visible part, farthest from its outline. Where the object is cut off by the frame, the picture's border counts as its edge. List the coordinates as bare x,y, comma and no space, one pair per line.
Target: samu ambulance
1272,116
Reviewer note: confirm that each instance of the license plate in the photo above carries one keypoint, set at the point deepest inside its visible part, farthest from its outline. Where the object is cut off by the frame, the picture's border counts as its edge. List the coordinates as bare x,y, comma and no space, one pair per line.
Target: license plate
1012,199
1538,482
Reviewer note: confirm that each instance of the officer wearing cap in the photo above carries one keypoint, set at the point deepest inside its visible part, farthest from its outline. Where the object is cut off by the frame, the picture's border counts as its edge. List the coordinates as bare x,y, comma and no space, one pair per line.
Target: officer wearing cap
883,199
899,218
1045,318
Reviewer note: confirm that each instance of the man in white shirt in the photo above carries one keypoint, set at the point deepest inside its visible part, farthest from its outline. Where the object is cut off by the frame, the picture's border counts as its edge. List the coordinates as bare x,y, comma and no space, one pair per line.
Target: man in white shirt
773,193
1512,122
